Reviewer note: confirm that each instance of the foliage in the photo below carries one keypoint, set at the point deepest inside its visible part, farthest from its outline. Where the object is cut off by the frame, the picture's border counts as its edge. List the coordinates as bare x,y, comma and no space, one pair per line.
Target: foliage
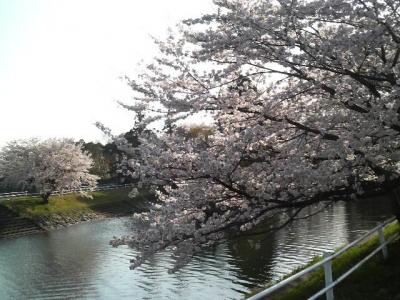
306,100
46,166
102,163
195,131
123,151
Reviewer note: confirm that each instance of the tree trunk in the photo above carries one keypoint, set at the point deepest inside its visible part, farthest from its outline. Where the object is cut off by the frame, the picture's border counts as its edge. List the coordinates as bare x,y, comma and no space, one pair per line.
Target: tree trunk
395,199
45,198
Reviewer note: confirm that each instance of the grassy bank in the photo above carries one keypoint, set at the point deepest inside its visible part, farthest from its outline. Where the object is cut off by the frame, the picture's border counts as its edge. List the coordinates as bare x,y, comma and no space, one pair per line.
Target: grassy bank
377,279
111,201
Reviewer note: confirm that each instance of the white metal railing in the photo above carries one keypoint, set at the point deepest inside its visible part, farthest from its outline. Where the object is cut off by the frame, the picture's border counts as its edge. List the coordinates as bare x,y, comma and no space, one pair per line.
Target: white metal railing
326,263
98,188
13,194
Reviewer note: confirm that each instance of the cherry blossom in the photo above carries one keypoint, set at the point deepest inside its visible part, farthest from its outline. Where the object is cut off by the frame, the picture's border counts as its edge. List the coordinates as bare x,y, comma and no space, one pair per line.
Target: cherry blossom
53,165
306,100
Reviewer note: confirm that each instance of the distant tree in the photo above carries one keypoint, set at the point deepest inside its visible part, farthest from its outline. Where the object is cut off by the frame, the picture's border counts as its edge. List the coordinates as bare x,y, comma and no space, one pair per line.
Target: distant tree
46,166
102,160
125,147
199,131
195,131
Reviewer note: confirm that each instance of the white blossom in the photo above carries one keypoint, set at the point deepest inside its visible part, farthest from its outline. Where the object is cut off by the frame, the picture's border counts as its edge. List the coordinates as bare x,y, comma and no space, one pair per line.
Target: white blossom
53,165
305,96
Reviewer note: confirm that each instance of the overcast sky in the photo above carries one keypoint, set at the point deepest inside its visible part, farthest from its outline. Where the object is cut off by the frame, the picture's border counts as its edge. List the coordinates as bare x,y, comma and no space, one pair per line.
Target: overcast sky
61,61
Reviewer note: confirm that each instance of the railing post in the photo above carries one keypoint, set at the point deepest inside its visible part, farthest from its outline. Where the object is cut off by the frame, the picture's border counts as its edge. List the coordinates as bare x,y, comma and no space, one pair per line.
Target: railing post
382,241
328,276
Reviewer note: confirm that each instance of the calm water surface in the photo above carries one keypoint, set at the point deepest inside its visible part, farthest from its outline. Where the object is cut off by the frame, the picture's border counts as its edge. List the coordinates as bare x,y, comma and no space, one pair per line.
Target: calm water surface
78,263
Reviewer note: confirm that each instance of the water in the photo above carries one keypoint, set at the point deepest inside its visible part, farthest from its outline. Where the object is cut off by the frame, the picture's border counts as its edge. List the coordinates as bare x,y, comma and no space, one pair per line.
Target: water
77,262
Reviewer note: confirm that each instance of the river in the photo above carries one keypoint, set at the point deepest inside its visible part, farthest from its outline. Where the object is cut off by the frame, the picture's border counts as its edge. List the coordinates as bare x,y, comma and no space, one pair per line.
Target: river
77,262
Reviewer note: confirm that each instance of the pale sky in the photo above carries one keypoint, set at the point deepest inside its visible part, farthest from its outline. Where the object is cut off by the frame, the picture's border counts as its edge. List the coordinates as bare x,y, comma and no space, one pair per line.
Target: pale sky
61,61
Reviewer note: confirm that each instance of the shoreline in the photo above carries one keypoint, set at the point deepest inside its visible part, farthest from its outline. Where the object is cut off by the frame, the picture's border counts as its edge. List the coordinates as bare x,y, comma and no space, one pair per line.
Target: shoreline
66,210
60,220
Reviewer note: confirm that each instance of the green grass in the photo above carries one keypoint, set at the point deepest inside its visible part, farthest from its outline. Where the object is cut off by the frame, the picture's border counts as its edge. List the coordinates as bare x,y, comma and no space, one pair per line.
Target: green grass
101,201
377,279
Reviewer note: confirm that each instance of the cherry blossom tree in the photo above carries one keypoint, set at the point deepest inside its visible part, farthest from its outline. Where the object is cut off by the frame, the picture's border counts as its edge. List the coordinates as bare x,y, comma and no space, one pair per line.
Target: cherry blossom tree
46,166
306,101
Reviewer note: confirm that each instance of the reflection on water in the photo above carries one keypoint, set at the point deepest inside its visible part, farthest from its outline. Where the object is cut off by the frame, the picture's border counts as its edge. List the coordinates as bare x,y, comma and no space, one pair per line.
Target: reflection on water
78,263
